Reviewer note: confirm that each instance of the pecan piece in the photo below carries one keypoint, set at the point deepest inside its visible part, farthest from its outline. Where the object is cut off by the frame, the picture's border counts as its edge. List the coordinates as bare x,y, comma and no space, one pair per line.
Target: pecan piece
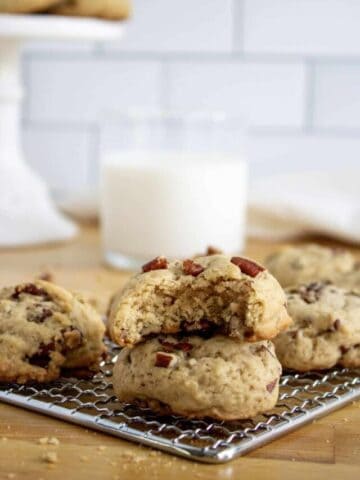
204,329
213,250
158,263
167,346
165,360
311,293
270,386
192,268
43,356
183,346
171,347
337,324
39,317
247,266
30,289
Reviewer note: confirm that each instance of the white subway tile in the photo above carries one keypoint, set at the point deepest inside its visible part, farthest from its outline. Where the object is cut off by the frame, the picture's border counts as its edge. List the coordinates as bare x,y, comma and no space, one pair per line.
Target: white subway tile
60,156
84,89
311,27
265,94
337,96
297,153
54,47
178,26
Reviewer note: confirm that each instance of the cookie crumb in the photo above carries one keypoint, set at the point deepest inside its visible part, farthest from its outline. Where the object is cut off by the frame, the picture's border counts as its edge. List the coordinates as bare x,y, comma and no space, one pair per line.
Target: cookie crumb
11,475
101,448
345,420
4,439
84,458
53,441
48,441
50,457
328,441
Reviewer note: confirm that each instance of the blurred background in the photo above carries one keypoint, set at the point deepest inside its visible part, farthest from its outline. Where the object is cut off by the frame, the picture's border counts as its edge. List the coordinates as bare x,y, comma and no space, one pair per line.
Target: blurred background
292,68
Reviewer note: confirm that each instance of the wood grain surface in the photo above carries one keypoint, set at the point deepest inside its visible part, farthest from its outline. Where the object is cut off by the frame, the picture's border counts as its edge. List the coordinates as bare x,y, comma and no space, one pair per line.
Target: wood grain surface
326,449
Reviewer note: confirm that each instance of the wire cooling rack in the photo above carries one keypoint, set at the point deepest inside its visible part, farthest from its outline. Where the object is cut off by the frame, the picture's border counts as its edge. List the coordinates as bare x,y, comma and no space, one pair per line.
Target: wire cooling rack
91,403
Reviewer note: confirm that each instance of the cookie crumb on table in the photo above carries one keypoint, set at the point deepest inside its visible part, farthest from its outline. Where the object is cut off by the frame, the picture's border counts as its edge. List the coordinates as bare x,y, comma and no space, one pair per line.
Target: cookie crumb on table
48,441
50,457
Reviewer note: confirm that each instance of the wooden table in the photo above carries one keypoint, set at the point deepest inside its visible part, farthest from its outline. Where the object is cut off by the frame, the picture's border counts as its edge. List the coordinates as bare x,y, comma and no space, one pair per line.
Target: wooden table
327,449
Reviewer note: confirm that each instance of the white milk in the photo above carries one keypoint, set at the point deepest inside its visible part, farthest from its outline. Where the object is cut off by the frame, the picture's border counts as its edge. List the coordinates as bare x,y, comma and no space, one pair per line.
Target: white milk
171,204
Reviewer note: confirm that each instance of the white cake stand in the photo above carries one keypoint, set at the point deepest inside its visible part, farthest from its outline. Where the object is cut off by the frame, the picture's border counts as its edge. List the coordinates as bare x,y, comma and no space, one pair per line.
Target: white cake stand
27,214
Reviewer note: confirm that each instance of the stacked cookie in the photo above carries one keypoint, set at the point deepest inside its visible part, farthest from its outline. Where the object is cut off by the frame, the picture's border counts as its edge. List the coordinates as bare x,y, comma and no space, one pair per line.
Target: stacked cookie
197,337
323,295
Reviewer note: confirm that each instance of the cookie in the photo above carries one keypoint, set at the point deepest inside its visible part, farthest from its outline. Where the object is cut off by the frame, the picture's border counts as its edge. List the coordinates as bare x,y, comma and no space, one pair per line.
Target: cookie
212,294
309,263
26,6
350,280
108,9
44,328
326,328
196,377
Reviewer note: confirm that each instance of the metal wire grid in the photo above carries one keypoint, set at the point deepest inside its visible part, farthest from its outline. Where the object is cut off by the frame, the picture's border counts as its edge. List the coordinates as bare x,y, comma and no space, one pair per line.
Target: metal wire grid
91,403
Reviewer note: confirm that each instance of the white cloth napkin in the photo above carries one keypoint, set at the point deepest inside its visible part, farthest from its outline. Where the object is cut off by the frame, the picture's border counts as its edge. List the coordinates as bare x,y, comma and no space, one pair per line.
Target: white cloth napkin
27,214
288,205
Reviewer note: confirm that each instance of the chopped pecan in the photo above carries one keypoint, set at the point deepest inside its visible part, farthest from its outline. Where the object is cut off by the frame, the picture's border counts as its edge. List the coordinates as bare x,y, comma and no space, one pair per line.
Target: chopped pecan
204,328
167,346
192,268
43,356
158,263
249,333
39,317
337,324
184,346
213,250
270,386
247,266
311,293
165,360
171,347
30,289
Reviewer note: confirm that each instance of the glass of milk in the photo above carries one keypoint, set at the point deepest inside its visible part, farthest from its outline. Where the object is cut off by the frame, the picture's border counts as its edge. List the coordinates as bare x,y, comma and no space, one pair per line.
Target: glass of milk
172,184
